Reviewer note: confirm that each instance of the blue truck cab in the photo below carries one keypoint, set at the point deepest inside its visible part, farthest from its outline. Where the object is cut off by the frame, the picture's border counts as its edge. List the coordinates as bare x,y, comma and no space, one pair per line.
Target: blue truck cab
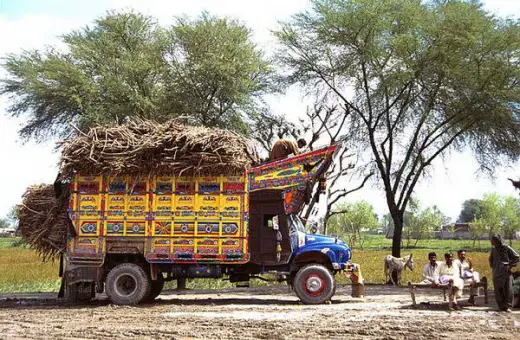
278,242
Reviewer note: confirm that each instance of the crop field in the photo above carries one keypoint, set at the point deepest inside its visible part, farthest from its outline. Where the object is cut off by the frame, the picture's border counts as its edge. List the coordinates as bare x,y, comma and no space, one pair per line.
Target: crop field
22,271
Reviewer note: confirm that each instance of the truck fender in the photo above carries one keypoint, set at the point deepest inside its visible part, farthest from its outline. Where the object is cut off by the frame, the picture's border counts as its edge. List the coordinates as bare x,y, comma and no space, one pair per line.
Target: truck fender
316,254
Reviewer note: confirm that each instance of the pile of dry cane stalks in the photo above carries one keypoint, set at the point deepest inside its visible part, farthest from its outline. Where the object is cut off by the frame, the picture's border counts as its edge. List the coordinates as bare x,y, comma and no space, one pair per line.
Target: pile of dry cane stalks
137,148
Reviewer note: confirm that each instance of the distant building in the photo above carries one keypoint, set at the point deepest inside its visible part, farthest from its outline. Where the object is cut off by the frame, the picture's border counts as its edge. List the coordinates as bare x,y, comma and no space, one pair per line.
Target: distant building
8,232
457,231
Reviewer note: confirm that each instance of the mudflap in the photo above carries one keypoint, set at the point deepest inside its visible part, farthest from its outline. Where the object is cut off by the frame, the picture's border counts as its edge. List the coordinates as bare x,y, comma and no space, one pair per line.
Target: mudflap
74,274
61,292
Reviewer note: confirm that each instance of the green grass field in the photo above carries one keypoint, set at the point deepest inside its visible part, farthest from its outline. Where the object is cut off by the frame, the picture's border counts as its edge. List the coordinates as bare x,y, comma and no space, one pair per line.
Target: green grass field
22,271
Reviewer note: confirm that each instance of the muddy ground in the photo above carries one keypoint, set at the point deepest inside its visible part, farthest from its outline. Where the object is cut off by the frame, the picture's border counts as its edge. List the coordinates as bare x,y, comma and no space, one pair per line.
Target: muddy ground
265,313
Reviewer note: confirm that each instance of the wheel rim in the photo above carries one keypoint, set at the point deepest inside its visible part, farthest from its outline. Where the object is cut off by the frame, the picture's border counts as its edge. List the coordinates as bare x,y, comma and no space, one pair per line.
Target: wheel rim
314,285
125,285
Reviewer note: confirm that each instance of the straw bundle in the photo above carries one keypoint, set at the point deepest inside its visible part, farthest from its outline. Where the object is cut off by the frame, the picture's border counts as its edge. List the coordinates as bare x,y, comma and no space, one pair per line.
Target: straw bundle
43,220
148,148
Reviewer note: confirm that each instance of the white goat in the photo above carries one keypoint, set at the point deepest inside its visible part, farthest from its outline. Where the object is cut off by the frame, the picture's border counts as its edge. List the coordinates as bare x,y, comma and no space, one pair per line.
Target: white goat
397,264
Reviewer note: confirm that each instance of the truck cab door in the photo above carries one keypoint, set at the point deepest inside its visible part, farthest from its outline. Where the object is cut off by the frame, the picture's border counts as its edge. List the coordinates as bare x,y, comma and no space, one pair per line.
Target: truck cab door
266,210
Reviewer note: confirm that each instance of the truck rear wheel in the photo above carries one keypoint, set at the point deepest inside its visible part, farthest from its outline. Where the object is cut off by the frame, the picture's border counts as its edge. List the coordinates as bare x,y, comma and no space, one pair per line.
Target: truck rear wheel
156,288
314,284
127,284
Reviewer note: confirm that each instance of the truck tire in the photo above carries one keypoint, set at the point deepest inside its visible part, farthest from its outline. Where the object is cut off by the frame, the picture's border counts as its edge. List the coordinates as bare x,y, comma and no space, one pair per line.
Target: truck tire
127,284
314,284
156,288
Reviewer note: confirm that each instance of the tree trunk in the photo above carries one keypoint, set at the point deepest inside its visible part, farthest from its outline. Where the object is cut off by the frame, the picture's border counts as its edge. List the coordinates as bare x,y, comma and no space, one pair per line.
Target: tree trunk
398,234
398,218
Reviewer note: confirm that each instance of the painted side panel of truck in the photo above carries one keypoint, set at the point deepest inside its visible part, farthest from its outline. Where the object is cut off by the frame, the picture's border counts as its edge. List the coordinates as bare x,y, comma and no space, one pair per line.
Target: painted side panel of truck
174,219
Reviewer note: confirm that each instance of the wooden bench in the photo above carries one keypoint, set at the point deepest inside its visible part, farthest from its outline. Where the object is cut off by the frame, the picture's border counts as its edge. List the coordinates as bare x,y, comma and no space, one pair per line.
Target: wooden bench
447,287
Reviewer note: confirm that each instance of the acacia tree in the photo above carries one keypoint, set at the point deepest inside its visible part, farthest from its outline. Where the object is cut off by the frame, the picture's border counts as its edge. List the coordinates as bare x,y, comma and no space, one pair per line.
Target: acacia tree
422,222
471,210
418,79
353,221
268,127
510,217
327,124
322,124
125,65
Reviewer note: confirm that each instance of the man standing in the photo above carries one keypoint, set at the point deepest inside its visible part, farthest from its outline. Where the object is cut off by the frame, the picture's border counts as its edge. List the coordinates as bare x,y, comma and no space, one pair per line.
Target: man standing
285,147
501,259
431,270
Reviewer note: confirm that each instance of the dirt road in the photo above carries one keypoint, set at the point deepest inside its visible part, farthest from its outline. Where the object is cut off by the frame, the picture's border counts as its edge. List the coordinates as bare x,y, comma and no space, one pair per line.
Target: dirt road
266,313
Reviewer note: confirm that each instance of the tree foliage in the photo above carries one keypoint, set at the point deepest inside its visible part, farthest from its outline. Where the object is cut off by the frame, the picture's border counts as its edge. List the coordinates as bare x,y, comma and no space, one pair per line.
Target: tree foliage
498,214
421,222
125,65
353,222
4,224
419,79
471,210
510,217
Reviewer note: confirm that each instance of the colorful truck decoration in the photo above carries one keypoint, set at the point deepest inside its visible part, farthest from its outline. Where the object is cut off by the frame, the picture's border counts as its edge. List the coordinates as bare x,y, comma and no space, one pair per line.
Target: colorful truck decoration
130,234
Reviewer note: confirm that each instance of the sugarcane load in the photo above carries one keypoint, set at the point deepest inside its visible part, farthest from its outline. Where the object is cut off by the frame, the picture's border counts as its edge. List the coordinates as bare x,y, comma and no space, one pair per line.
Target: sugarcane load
142,203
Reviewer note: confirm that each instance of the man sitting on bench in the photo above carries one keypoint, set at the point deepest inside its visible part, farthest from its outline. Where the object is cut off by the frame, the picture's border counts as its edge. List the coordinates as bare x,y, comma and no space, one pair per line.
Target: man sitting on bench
449,272
431,270
468,274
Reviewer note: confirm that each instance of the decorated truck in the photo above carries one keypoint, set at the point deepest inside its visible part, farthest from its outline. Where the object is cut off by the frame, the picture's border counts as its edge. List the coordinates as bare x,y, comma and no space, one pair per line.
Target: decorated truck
149,203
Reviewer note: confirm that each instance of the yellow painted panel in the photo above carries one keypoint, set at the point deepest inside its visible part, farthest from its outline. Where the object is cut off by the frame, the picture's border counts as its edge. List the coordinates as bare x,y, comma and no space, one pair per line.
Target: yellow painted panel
208,202
114,228
89,228
184,228
207,246
183,247
135,228
162,228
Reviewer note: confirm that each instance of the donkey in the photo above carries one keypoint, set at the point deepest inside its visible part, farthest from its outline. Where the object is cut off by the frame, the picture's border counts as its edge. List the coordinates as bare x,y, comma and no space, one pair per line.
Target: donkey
397,264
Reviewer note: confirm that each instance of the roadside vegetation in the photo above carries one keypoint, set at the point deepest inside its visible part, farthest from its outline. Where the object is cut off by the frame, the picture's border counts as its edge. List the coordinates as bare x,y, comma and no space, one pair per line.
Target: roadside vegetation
22,270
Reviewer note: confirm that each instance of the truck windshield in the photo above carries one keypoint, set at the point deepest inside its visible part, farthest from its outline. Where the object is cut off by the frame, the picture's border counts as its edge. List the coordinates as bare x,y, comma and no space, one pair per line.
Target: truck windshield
295,223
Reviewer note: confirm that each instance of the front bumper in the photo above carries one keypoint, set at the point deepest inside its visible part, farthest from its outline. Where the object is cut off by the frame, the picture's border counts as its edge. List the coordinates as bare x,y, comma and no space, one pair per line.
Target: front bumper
353,272
340,266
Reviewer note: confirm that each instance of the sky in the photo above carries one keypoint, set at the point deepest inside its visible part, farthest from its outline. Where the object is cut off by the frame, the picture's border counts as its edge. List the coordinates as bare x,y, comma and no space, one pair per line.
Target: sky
34,24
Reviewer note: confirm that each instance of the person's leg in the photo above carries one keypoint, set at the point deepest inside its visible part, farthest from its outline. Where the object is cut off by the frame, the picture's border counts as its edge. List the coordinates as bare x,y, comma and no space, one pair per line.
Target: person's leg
473,291
455,292
508,293
499,293
476,277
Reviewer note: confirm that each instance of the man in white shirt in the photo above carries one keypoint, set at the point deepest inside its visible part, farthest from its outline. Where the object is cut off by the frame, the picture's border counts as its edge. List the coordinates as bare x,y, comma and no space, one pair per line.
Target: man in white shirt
431,270
449,271
467,273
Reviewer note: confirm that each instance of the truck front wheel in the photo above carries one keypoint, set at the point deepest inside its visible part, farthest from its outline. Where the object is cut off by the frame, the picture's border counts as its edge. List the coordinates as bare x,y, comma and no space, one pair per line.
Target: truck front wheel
127,284
314,284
